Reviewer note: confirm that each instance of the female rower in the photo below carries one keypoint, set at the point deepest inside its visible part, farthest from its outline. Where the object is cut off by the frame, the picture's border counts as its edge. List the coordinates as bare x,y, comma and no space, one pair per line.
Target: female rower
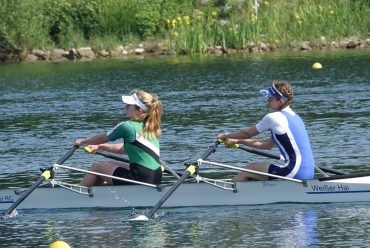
288,133
140,136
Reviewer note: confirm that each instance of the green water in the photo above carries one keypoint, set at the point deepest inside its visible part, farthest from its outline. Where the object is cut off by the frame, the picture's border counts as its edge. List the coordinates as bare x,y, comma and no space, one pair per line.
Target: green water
46,106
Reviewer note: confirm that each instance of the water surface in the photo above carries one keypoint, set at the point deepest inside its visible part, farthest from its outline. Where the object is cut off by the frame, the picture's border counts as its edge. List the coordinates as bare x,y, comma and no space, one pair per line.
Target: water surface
46,106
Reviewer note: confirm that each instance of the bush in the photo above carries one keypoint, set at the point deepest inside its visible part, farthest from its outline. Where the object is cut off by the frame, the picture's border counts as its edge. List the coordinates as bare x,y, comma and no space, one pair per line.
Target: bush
149,17
21,26
27,24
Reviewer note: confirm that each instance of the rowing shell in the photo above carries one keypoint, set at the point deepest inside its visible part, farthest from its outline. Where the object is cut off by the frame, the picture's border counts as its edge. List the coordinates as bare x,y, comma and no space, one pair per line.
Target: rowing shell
348,188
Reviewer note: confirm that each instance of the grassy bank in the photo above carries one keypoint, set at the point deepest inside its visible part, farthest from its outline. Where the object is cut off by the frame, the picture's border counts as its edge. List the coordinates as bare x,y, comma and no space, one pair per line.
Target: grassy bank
186,26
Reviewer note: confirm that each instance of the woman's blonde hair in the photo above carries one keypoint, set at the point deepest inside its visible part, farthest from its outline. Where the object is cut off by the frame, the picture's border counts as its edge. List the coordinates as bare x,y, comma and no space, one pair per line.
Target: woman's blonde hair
286,89
151,117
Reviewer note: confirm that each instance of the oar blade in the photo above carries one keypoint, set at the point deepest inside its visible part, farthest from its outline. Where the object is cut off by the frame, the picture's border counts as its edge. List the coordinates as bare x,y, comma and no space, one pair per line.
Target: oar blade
140,218
154,209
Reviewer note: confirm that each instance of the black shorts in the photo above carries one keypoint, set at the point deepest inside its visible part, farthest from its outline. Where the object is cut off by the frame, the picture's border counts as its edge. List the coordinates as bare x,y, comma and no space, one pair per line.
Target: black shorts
138,173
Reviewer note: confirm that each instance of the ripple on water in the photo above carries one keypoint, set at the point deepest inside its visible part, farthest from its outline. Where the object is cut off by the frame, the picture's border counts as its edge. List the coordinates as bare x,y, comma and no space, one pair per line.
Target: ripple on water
45,107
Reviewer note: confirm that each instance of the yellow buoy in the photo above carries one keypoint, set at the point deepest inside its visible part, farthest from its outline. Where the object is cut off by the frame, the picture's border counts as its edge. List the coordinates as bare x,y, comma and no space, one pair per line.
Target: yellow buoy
59,244
316,66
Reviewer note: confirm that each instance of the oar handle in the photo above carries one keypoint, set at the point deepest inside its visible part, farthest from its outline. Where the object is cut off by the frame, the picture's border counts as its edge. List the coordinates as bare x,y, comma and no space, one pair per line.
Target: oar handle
89,150
254,151
258,152
118,158
234,146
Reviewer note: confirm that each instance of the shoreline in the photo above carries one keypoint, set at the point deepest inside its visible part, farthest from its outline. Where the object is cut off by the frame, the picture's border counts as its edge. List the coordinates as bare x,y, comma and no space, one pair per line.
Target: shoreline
157,49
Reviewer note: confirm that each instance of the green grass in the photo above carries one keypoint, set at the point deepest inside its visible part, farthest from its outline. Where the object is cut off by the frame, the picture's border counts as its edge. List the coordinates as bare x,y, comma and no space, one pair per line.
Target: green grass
278,22
187,26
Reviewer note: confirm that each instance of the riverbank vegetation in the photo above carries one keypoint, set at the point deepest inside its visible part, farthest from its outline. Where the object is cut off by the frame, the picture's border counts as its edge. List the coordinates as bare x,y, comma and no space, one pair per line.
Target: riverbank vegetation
180,26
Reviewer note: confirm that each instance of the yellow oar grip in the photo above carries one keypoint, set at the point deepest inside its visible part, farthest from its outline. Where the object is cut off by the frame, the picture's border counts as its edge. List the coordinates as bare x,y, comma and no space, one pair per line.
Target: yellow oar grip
191,169
162,168
221,140
88,149
46,174
235,146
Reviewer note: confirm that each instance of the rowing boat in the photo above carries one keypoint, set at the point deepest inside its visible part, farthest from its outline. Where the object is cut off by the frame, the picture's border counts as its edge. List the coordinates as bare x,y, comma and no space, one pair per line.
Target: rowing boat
196,191
191,189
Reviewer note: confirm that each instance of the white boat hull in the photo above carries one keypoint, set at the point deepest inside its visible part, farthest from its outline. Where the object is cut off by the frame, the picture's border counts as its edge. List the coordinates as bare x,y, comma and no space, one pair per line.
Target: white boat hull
196,194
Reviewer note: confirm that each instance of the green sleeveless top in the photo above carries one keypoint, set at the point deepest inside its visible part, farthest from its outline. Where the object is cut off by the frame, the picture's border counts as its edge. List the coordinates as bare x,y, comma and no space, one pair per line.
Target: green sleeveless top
140,150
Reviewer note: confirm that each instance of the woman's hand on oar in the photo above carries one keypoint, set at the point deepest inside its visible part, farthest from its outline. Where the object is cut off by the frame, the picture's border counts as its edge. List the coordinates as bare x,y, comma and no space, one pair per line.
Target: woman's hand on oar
91,148
232,143
44,176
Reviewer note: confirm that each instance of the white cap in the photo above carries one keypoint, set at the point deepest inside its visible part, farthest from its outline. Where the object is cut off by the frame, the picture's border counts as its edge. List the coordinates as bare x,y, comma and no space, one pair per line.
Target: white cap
134,100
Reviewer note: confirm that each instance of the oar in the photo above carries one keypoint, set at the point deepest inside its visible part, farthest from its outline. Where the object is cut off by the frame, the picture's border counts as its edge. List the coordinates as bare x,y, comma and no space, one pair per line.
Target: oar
118,158
273,156
335,172
189,171
44,176
258,152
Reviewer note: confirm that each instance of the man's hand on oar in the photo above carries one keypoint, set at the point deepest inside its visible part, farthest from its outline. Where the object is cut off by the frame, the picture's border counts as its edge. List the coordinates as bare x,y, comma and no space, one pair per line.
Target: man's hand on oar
44,176
191,169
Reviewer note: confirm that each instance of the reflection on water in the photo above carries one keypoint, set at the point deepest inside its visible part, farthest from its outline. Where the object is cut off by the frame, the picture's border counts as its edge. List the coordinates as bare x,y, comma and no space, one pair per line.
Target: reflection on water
290,225
45,107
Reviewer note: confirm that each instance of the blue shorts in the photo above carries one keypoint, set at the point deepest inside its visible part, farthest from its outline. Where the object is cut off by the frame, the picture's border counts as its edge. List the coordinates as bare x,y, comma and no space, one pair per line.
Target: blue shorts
279,170
305,171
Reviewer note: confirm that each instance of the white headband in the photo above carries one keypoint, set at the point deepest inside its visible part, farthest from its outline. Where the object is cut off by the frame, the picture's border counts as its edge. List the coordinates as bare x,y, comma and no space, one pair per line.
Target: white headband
134,100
